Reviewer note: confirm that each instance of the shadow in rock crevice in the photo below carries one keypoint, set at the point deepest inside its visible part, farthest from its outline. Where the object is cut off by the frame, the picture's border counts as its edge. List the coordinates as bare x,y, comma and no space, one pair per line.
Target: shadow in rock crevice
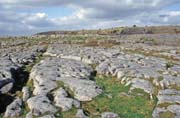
93,75
21,78
5,100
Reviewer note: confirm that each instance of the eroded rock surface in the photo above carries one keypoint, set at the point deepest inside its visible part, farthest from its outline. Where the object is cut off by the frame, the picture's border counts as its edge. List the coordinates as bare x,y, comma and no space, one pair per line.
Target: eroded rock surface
63,79
40,105
8,69
74,74
26,93
62,100
168,96
14,109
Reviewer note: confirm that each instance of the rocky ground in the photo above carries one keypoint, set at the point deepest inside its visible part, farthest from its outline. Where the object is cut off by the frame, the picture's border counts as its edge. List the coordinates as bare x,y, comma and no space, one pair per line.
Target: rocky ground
48,79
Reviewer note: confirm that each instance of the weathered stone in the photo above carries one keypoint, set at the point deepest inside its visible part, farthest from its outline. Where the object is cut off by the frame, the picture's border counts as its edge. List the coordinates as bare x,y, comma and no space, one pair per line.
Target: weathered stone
80,114
62,100
84,90
74,74
6,85
141,84
40,105
14,109
109,115
168,96
29,115
120,74
157,111
27,55
102,68
169,80
7,71
175,109
44,86
26,93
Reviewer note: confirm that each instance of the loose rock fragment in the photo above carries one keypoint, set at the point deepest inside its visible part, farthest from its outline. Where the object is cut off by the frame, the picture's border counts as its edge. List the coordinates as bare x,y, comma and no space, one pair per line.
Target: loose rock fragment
109,115
80,114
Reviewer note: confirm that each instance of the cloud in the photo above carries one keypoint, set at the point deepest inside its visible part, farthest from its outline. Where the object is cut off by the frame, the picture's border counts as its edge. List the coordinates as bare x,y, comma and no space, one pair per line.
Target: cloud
17,17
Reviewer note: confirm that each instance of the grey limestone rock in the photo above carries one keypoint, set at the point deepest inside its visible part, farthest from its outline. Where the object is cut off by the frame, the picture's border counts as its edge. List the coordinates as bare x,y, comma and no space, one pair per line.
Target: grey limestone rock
7,72
14,109
80,114
62,100
175,109
74,74
168,96
109,115
40,105
26,93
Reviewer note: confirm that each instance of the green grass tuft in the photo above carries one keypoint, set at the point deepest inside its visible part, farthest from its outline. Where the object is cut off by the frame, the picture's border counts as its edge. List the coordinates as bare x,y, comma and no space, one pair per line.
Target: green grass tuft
116,98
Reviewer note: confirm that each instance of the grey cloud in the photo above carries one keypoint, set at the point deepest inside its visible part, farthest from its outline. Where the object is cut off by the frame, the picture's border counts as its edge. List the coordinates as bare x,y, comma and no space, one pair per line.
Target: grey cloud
87,14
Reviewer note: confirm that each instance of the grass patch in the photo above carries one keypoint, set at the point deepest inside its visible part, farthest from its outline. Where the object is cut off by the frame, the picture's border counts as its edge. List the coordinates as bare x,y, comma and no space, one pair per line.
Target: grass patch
160,78
67,114
25,110
167,114
112,99
177,87
169,65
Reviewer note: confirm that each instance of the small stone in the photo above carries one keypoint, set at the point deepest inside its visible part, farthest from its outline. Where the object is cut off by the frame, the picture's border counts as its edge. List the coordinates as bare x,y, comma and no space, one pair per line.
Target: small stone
120,74
109,115
80,114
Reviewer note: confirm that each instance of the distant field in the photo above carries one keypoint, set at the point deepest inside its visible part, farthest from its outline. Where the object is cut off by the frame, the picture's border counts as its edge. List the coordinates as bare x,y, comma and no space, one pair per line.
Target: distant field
120,30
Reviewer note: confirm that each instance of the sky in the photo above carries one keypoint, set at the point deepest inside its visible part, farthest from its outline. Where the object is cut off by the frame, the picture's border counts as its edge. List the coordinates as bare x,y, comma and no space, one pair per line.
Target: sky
26,17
